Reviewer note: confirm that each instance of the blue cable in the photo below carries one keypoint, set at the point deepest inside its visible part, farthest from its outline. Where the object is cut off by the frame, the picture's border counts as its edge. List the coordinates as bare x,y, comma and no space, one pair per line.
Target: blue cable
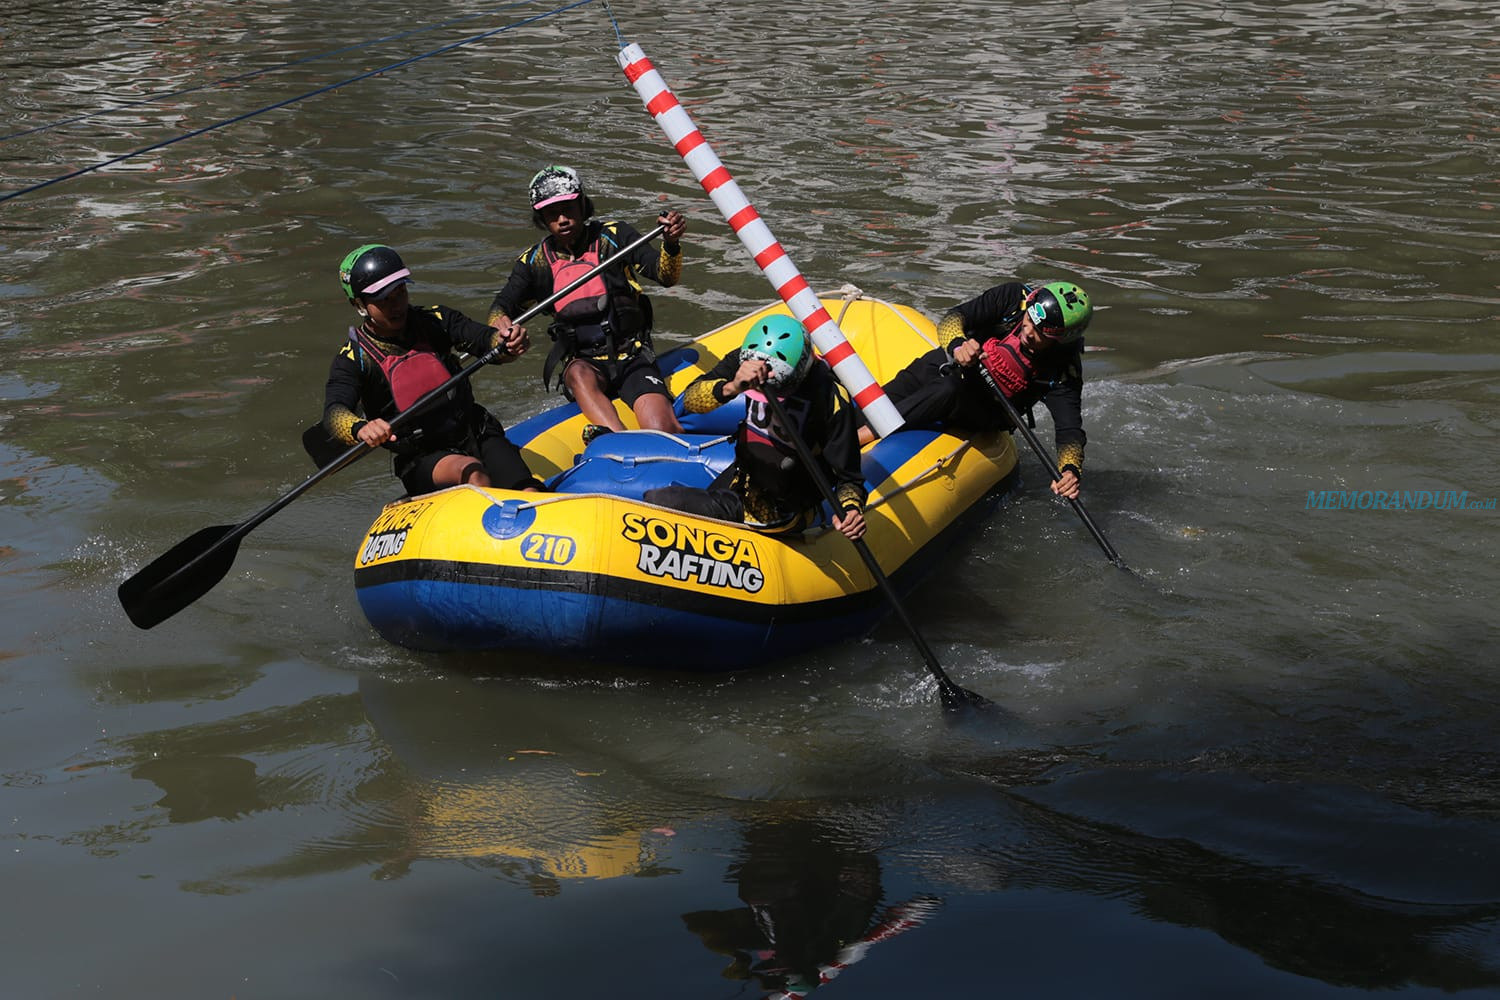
252,73
7,196
615,24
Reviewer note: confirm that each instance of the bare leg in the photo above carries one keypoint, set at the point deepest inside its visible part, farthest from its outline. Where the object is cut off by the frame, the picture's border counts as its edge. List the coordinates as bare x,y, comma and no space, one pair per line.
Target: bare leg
454,469
588,392
654,413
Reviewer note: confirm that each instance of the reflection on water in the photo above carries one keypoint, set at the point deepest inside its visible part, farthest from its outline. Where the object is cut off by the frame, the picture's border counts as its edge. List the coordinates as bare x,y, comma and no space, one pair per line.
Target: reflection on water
553,801
811,906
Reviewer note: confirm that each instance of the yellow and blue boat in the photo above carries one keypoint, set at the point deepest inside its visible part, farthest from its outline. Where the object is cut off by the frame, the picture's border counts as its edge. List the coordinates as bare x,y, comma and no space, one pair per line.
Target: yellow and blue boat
590,571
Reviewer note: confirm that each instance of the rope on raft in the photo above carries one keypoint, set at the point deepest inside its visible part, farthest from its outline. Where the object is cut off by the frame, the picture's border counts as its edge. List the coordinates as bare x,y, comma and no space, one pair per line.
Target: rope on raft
8,195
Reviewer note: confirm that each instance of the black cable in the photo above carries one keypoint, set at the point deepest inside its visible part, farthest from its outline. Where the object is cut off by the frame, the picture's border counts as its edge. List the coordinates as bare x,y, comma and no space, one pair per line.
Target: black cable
253,73
7,196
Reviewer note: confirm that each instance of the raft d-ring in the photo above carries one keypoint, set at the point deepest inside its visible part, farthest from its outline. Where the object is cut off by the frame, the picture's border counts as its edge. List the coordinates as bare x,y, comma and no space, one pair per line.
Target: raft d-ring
508,518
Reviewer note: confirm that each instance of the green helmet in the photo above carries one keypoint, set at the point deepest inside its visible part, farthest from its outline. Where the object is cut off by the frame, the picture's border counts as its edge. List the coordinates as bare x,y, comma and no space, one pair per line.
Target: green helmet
1060,310
372,270
780,342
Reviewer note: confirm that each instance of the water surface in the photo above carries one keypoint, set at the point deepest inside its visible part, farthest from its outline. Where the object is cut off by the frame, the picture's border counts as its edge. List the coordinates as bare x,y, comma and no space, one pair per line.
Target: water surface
1266,767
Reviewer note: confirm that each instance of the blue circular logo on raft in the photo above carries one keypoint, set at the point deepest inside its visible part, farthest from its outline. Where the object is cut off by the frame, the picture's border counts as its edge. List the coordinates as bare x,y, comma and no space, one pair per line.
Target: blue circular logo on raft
508,518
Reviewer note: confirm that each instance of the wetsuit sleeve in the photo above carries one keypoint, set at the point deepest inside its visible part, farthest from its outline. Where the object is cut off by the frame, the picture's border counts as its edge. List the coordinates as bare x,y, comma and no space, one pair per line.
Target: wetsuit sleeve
706,392
341,397
841,451
669,266
950,331
647,259
521,290
468,335
991,313
1065,402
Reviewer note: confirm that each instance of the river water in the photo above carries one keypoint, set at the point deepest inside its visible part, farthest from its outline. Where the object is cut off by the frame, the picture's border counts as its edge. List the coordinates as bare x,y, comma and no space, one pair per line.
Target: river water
1265,764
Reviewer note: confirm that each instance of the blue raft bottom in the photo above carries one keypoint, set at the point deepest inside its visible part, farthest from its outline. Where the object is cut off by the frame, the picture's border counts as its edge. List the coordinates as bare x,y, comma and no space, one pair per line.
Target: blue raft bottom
578,615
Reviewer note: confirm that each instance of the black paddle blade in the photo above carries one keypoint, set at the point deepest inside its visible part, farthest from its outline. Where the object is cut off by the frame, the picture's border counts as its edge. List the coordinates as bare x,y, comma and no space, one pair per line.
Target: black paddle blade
181,576
958,700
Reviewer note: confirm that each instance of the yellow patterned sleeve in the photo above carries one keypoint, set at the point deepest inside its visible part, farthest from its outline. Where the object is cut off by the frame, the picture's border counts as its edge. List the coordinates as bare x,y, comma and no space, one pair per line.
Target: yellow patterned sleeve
1070,455
338,419
848,495
339,422
950,328
702,396
669,267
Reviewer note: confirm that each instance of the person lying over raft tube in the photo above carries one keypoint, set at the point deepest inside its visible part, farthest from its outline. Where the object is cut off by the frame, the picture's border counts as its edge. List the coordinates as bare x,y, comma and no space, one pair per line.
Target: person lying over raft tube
397,354
766,486
1030,340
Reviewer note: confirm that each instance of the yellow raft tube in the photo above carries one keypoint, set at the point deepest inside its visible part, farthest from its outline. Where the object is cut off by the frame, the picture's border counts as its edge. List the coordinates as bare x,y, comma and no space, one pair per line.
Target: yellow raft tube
590,571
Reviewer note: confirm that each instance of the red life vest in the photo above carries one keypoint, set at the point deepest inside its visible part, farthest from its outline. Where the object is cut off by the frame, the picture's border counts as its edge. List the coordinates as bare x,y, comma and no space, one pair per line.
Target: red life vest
411,375
1008,365
586,307
566,270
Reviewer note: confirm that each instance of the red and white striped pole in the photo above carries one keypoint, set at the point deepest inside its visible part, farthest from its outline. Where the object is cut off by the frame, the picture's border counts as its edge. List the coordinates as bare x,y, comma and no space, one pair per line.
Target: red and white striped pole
898,919
756,236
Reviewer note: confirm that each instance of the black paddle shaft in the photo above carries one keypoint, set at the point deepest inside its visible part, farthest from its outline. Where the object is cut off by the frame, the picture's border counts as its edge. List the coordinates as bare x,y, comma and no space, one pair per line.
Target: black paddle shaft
952,695
193,566
1046,459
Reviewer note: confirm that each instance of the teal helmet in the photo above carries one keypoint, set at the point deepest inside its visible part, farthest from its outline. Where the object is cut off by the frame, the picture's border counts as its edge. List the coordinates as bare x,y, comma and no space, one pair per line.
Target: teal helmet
780,342
372,271
1060,310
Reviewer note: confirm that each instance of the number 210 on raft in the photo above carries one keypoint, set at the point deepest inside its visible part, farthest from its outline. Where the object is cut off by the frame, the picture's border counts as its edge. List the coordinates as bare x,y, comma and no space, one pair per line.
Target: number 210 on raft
554,549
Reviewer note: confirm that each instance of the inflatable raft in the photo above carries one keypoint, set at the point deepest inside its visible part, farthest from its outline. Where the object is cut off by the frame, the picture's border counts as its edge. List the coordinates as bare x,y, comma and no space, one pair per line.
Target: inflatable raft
590,571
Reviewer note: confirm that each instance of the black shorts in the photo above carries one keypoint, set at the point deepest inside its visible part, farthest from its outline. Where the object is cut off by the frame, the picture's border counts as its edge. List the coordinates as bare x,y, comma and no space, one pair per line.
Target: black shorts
487,444
626,380
717,502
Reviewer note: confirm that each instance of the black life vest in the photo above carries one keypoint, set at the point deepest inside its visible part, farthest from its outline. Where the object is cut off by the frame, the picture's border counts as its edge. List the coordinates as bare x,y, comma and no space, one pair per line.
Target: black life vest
765,452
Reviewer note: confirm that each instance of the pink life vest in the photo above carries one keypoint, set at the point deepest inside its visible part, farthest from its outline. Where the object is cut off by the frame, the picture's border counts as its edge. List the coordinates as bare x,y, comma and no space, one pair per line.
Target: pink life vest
567,270
411,375
585,308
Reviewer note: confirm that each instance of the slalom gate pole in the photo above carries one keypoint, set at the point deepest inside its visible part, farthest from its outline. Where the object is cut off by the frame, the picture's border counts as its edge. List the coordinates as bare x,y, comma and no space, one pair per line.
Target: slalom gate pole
769,255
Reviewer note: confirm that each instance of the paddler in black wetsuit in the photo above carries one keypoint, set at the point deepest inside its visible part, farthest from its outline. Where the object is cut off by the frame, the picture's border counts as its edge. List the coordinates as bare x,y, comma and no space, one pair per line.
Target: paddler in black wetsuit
1030,339
602,332
395,356
767,485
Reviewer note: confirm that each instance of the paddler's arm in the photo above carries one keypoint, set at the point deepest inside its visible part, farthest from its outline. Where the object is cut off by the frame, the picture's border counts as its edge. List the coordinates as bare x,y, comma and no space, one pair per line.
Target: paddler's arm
960,346
476,338
341,399
992,312
519,292
1065,402
669,263
726,380
842,458
662,265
